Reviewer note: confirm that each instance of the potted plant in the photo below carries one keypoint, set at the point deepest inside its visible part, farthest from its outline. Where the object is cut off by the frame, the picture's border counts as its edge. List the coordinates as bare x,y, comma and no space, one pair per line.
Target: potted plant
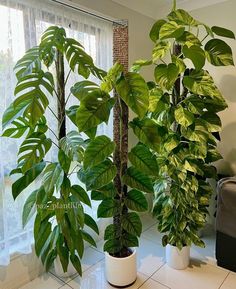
184,102
60,222
121,189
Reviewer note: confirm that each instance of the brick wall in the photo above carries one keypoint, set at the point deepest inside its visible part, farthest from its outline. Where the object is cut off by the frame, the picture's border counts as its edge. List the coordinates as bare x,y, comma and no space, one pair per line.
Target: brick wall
120,43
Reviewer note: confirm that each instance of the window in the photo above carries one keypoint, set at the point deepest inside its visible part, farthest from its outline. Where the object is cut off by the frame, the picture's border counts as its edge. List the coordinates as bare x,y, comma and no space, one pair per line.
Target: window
22,23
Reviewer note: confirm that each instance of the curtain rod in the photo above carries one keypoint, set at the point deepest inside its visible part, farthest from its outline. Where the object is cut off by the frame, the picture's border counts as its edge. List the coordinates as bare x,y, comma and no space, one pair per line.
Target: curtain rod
86,12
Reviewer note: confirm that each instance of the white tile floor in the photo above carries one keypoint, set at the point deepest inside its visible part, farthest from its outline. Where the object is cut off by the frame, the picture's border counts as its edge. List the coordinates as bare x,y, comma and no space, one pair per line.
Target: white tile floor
153,273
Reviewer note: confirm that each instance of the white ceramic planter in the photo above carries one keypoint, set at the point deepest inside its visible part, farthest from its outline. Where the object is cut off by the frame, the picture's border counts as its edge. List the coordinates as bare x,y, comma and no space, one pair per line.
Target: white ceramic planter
177,259
59,270
121,272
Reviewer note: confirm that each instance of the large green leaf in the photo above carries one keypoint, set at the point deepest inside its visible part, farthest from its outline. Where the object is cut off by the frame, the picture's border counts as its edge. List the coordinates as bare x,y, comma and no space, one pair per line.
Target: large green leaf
171,30
88,238
32,90
182,17
212,121
155,96
196,54
29,62
78,192
201,83
83,88
107,208
113,74
136,201
99,175
33,149
219,53
22,124
220,31
63,253
42,231
171,142
112,246
142,158
64,161
79,60
155,31
160,50
188,39
183,116
89,221
93,112
52,177
137,180
132,224
133,89
148,132
166,75
129,240
71,144
53,38
98,150
76,263
29,208
13,112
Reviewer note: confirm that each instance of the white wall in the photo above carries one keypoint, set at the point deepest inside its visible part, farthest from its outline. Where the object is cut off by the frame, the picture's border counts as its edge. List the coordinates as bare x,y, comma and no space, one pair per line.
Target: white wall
223,14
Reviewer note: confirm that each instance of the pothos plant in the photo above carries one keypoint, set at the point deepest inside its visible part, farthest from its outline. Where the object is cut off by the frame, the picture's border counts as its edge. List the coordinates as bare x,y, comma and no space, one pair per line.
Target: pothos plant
60,222
184,102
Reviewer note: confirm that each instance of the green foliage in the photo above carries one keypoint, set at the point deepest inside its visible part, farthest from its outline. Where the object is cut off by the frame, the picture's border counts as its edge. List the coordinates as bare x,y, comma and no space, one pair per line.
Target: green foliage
56,199
136,179
134,91
97,151
180,126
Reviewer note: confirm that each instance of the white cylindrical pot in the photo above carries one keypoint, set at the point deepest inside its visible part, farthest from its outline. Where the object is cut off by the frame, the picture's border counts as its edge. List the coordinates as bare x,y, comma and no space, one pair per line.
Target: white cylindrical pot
121,272
59,270
177,259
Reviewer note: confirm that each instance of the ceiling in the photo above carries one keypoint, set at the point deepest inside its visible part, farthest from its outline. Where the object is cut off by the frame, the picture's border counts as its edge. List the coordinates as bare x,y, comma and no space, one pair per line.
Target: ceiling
156,8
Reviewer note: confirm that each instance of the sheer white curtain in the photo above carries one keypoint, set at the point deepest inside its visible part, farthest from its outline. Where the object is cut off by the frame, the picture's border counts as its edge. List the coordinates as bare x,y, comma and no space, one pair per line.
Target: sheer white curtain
22,23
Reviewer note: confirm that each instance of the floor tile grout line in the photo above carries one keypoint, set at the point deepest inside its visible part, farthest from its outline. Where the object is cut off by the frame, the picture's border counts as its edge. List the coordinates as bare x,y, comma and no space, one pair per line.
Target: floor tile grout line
224,279
54,275
150,277
67,283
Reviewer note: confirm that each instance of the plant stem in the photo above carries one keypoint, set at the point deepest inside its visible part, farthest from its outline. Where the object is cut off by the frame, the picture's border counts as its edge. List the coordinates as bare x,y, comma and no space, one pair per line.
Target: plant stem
120,135
52,112
53,133
67,77
61,107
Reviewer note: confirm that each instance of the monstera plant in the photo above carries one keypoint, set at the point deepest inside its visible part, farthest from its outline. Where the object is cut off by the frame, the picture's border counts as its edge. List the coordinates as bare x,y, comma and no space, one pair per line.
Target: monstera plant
184,102
60,223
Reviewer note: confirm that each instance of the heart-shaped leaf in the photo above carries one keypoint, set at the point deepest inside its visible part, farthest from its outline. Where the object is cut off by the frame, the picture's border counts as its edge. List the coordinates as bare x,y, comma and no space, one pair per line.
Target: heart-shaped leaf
98,150
133,89
219,53
160,50
166,75
171,30
196,54
137,180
